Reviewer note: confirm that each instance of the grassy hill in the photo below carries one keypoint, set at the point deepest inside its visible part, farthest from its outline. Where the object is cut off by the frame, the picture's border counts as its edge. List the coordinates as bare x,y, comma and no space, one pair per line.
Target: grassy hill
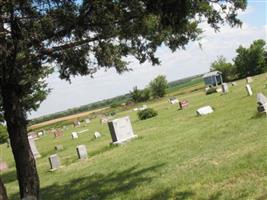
176,156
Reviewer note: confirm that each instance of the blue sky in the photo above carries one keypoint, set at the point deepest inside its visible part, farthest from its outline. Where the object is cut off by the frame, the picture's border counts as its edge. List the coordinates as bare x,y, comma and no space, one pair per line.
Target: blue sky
183,63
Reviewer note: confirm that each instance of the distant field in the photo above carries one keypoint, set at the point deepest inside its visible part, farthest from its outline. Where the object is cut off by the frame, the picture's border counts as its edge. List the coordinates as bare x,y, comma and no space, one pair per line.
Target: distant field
221,156
67,118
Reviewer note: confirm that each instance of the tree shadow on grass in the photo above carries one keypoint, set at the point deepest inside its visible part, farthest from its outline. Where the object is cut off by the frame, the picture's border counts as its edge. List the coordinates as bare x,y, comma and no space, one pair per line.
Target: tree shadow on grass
8,177
100,186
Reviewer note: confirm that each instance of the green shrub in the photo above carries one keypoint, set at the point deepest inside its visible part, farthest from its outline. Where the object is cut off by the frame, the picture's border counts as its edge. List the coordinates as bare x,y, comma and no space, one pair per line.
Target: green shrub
147,113
3,134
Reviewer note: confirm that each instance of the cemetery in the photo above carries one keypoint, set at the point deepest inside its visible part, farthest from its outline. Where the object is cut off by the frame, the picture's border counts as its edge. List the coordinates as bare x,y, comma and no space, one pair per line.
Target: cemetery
221,156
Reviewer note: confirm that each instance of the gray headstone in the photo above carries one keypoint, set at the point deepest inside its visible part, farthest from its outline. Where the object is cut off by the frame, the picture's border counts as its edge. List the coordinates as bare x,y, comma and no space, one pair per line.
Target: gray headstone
225,88
81,151
54,162
59,147
249,90
74,135
121,130
34,150
204,110
262,103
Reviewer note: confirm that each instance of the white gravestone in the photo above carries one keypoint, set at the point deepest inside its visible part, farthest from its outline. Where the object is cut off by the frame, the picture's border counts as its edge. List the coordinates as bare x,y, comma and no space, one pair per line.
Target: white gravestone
204,110
74,135
54,162
97,135
249,90
121,130
262,103
249,80
225,88
34,150
81,151
173,100
87,121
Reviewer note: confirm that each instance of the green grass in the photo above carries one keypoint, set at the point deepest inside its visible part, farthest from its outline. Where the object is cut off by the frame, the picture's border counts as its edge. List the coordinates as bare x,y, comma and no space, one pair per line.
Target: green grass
177,155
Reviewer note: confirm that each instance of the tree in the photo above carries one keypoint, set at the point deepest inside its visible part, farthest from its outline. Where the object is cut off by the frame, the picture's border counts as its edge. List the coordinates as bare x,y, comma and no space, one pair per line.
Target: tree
251,61
158,86
140,95
78,38
227,69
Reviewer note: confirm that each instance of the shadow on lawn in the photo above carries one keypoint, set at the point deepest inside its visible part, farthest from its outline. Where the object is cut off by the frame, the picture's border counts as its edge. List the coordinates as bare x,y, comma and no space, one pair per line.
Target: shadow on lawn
100,186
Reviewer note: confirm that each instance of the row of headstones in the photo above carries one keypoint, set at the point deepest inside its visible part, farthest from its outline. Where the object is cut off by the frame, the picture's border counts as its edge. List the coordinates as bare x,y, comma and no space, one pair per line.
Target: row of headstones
54,160
120,129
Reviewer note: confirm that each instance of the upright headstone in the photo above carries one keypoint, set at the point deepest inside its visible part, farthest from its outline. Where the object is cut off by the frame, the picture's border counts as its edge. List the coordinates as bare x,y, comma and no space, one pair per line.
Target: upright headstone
183,104
225,88
249,79
204,110
74,135
97,135
121,130
173,100
76,123
81,151
87,120
59,147
34,150
54,162
249,90
262,103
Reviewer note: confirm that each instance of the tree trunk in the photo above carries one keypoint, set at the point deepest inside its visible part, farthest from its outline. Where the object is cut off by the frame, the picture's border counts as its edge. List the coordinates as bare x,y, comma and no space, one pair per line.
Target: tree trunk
3,195
17,129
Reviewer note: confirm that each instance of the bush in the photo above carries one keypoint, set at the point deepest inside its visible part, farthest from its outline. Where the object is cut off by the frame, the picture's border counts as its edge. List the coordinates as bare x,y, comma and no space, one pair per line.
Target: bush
147,113
140,95
159,86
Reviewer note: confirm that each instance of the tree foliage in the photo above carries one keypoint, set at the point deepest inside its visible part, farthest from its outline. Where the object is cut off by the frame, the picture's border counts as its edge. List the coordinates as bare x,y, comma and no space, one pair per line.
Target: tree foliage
159,86
227,69
140,95
252,60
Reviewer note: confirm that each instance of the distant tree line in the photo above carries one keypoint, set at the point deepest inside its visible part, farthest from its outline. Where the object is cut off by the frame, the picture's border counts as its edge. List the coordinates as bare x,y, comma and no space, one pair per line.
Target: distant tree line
248,62
157,88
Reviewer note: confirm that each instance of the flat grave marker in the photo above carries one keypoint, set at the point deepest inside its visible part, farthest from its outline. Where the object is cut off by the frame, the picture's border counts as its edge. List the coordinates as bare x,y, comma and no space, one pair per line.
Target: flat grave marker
204,110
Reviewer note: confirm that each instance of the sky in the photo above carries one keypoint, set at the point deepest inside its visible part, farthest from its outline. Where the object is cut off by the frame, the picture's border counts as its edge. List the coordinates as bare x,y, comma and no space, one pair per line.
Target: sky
180,64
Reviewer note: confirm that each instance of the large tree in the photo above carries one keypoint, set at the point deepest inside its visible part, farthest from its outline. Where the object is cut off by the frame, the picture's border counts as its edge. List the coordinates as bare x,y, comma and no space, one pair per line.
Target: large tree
78,38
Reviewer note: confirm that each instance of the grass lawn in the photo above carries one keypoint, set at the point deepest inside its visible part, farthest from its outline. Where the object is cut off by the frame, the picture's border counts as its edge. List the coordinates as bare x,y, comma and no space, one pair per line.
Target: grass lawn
176,156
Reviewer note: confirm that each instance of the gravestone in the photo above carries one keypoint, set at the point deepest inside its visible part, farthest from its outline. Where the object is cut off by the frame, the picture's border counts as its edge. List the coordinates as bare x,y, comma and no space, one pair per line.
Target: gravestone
173,100
97,135
204,110
87,121
76,123
81,151
225,88
59,147
121,130
249,80
183,104
3,166
262,103
74,135
33,147
104,120
249,90
54,162
58,133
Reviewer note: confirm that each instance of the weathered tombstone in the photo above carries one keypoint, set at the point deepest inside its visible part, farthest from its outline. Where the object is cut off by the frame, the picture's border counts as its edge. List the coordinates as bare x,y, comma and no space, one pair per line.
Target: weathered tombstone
74,135
183,104
249,90
58,133
225,88
97,135
3,166
173,100
249,79
76,123
81,151
87,121
121,130
34,150
234,84
262,103
59,147
54,162
204,110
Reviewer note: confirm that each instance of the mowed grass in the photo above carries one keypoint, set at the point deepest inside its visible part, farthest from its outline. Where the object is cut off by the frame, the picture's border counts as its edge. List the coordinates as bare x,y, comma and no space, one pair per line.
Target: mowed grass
176,156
